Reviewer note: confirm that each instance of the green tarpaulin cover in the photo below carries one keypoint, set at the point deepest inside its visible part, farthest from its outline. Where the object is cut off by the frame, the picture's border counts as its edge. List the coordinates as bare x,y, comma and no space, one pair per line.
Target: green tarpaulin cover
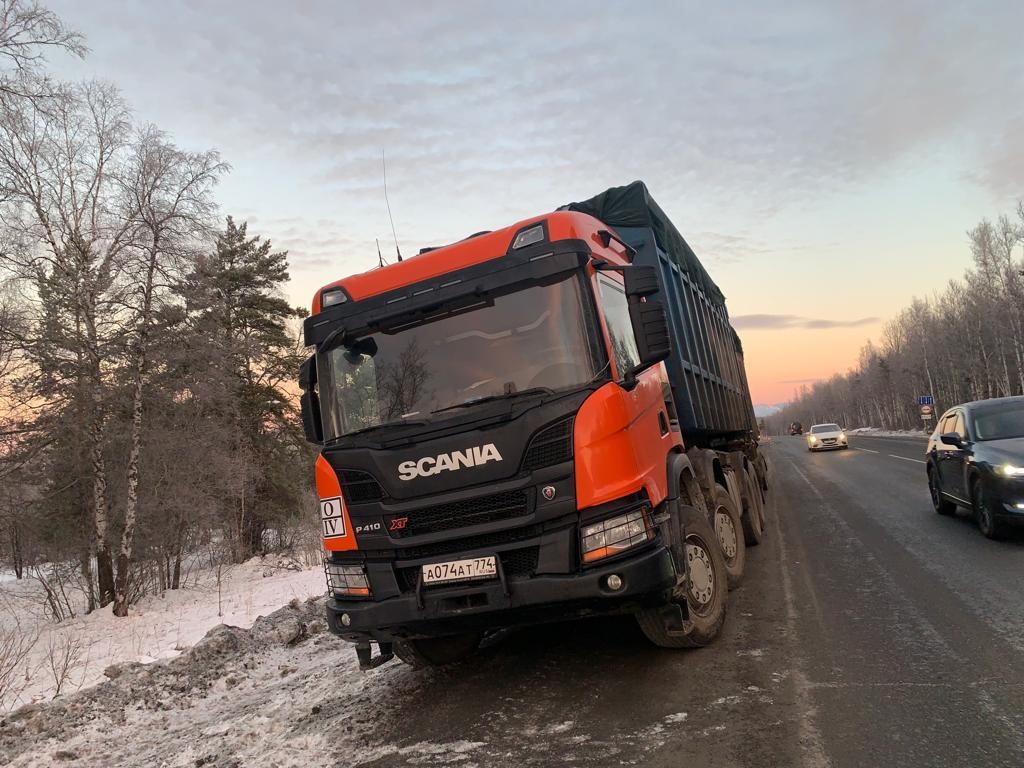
633,206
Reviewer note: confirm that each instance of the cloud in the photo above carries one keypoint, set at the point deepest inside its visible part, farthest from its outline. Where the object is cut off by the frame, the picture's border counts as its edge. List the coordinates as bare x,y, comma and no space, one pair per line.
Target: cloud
795,322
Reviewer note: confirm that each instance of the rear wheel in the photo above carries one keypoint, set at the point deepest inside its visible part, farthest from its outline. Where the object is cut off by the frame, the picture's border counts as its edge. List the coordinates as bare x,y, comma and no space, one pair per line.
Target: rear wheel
437,651
704,587
939,502
990,526
753,513
729,529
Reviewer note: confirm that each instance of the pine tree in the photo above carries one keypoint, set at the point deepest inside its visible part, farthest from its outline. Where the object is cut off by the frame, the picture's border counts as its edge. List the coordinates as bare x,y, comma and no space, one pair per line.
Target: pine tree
235,306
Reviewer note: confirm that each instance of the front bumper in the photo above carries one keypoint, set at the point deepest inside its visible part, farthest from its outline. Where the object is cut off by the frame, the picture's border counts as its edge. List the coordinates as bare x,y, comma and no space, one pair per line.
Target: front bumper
647,577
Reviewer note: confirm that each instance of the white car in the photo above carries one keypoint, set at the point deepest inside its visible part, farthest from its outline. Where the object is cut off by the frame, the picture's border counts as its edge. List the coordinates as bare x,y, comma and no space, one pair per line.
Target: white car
826,437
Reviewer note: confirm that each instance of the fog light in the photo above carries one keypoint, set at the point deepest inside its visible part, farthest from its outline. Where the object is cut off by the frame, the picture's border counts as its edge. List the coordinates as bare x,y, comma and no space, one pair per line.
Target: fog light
614,535
347,580
614,582
346,620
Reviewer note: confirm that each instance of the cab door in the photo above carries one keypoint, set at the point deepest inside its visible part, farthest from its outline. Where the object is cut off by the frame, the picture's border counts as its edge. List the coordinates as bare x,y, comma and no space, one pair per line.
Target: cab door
953,460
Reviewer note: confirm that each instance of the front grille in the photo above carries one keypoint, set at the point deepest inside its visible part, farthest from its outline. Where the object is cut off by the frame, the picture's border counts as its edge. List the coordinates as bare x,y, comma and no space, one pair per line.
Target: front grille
465,544
359,487
461,514
514,563
550,445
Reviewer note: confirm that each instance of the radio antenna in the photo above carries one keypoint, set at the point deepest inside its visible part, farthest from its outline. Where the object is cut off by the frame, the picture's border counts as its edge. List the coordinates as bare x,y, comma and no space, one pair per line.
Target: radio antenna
380,258
384,165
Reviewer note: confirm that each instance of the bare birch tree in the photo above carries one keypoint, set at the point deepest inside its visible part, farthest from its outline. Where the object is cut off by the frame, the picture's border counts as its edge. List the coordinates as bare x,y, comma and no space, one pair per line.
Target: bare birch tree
169,191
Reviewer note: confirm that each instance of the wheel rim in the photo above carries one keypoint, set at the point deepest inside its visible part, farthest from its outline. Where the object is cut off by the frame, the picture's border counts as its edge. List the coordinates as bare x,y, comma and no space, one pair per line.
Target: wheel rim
984,514
726,532
701,589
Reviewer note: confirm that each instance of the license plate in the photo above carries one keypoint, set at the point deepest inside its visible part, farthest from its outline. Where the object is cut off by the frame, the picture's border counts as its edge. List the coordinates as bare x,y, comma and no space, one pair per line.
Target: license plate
460,570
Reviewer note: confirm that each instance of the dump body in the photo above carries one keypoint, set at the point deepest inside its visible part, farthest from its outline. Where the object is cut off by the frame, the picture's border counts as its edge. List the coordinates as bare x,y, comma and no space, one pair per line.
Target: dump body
706,368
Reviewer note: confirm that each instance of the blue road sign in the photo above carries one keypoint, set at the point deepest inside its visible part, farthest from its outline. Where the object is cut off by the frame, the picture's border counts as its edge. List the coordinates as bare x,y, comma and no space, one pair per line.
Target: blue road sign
925,400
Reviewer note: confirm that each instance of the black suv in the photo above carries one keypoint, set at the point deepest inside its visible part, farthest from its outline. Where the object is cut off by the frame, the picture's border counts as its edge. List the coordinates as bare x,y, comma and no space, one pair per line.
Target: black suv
976,460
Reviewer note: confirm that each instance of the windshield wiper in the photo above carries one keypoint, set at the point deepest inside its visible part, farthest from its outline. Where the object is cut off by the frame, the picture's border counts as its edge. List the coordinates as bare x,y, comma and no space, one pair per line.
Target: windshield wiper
492,398
372,427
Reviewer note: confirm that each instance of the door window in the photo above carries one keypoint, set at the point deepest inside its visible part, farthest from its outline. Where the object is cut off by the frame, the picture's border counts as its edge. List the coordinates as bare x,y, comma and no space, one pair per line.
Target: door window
958,426
620,328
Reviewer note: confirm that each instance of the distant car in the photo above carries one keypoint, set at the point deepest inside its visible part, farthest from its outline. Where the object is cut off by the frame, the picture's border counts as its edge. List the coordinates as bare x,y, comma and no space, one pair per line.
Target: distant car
975,459
826,437
796,428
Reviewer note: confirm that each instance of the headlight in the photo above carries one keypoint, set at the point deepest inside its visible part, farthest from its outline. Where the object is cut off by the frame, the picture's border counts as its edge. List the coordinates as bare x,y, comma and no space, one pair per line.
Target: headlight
812,439
1009,470
842,436
347,580
614,535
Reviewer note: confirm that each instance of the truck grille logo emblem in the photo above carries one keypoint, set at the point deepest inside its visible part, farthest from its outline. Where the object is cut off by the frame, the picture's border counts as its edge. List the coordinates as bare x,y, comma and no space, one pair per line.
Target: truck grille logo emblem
448,462
548,491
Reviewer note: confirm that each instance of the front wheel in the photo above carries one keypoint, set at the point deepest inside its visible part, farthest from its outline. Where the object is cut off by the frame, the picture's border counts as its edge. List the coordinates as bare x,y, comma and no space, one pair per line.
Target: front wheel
939,502
703,583
437,651
989,525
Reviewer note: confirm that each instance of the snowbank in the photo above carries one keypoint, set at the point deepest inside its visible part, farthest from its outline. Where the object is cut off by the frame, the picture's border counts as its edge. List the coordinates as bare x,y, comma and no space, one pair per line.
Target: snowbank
875,432
159,627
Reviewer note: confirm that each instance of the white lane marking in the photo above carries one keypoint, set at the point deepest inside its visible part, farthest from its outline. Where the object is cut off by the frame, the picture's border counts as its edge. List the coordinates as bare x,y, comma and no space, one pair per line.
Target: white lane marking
905,458
864,449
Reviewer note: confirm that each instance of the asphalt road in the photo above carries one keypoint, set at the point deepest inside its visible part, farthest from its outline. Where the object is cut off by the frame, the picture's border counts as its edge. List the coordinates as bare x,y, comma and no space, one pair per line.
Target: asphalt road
870,632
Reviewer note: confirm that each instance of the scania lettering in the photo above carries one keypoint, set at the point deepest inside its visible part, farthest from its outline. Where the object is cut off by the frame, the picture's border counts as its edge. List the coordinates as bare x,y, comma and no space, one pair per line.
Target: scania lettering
448,462
546,421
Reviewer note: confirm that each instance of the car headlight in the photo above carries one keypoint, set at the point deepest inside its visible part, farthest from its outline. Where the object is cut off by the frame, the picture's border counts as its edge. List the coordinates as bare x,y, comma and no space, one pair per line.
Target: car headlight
1009,470
842,436
347,580
812,439
614,535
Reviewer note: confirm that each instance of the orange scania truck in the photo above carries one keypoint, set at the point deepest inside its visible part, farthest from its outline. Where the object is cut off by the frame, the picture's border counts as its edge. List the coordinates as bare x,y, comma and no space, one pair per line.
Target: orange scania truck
542,422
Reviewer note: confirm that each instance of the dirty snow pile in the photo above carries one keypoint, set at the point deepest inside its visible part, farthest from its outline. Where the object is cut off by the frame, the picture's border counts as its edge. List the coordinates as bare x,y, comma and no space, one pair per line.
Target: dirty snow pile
876,432
262,696
159,627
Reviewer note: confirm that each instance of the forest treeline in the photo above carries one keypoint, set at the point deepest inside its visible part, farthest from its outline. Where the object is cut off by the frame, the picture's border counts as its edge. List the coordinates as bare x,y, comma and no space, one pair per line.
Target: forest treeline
964,343
146,351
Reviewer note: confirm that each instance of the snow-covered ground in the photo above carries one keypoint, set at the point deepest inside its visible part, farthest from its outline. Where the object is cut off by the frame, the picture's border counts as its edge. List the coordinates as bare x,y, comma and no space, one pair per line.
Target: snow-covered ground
159,627
875,432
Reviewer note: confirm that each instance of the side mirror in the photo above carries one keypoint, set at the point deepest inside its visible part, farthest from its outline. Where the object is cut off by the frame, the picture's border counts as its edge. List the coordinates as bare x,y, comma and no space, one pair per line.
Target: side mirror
951,438
310,402
648,318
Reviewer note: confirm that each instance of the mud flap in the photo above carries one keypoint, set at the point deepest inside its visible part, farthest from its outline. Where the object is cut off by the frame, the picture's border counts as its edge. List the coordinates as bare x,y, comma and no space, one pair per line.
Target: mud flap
367,661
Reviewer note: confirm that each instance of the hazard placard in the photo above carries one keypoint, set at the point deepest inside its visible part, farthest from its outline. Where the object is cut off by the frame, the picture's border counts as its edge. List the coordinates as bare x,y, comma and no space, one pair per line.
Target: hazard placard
332,519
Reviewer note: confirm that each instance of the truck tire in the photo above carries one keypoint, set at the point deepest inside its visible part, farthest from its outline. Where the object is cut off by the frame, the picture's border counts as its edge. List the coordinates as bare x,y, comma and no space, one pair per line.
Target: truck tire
731,537
706,592
753,515
437,651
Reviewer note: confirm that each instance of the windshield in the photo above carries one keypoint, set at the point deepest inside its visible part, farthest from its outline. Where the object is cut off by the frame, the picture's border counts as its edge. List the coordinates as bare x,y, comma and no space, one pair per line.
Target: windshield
825,428
536,337
999,422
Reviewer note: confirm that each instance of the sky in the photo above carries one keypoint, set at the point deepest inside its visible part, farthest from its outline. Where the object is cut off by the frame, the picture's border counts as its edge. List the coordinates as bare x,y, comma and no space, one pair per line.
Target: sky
824,159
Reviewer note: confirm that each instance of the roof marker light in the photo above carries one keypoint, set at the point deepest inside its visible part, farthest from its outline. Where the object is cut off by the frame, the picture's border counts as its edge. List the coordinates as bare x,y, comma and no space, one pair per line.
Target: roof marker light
529,237
332,297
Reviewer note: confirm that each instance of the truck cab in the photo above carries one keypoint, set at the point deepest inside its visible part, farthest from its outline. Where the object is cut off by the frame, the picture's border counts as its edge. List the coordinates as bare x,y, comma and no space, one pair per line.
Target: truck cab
497,435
